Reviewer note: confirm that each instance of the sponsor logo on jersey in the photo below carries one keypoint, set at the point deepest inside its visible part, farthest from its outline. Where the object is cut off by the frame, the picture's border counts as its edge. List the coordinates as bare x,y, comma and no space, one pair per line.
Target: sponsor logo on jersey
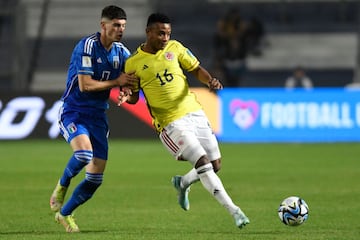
99,60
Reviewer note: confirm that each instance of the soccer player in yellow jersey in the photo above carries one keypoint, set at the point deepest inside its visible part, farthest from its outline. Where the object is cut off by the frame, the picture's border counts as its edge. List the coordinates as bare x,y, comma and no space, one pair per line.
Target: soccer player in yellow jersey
177,116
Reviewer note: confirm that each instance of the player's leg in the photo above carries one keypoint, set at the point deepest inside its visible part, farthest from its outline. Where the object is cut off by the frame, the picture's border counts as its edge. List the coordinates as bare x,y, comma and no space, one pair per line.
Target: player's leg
82,193
213,184
82,155
171,137
76,163
192,177
169,142
77,136
93,177
87,187
188,179
183,184
206,138
74,166
209,142
202,147
197,157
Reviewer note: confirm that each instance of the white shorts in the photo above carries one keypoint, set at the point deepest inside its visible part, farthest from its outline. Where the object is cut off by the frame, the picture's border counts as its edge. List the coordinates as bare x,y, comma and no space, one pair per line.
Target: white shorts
190,138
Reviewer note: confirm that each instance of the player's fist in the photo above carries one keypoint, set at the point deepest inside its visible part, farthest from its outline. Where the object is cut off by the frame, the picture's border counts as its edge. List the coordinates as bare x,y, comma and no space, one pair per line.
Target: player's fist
124,95
215,84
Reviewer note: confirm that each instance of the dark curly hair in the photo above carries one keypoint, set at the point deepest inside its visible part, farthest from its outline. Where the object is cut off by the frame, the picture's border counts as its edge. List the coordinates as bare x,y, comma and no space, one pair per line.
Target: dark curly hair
157,17
113,12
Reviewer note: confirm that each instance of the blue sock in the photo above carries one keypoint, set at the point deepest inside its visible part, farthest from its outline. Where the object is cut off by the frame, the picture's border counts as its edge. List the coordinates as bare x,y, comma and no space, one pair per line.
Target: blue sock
83,192
78,160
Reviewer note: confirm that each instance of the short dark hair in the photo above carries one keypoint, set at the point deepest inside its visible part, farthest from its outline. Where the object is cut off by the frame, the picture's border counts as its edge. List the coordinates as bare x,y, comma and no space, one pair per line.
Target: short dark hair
157,17
113,12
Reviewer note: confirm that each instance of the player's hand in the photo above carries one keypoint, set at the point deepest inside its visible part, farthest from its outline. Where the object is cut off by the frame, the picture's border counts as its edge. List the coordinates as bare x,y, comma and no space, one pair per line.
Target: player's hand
124,95
128,80
215,84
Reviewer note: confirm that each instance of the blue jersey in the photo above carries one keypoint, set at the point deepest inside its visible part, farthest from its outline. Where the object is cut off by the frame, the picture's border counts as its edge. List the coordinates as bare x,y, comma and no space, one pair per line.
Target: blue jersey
89,57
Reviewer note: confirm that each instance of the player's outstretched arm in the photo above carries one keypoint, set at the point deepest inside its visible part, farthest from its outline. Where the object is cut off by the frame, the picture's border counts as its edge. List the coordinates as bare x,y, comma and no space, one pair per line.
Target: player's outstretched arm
204,76
88,84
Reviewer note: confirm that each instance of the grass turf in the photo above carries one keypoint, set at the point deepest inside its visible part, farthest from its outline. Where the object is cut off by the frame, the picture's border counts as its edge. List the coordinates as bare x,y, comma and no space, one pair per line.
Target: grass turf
137,200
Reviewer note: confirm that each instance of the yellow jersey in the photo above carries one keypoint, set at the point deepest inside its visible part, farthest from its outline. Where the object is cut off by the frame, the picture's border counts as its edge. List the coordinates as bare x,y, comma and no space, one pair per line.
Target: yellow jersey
163,82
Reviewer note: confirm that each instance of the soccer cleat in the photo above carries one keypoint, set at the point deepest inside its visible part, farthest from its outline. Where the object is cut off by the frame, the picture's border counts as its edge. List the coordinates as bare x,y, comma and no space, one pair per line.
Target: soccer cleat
67,221
182,193
240,219
57,197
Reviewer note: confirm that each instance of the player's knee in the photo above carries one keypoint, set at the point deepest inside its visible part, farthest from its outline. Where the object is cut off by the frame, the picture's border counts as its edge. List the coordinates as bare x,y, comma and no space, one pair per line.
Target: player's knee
204,168
84,156
216,165
203,160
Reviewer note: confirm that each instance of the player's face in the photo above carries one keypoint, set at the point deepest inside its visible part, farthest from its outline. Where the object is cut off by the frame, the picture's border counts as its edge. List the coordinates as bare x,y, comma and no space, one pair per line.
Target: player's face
158,35
114,29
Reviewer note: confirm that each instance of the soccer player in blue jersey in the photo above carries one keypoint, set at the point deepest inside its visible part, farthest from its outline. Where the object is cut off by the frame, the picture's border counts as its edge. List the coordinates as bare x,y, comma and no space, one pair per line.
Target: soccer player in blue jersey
178,117
96,66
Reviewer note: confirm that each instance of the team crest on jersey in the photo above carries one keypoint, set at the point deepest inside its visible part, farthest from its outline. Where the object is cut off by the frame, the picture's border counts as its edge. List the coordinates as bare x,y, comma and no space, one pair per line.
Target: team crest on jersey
71,127
169,56
116,62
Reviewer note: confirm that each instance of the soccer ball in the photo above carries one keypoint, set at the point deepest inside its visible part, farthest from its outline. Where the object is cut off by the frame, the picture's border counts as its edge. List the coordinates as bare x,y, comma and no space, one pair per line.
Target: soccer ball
293,211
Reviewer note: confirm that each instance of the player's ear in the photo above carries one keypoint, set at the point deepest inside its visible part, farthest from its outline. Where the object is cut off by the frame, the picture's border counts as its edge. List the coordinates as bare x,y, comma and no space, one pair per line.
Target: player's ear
102,25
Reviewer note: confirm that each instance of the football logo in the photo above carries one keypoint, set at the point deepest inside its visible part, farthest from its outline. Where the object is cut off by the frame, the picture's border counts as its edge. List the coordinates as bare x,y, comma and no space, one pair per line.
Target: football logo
244,113
86,61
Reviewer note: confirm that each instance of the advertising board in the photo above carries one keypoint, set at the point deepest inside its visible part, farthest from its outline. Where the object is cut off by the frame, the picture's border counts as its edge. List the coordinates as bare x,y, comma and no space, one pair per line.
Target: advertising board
280,115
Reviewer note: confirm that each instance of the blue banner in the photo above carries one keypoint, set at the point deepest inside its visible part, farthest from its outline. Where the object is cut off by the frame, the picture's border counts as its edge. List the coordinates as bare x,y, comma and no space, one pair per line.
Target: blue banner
281,115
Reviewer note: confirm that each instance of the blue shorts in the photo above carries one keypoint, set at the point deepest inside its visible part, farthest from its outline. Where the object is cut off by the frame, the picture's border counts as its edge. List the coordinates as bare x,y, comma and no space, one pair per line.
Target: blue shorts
73,123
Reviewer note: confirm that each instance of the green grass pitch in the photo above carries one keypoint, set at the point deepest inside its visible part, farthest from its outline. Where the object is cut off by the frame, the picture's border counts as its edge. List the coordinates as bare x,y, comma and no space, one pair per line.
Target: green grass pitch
137,200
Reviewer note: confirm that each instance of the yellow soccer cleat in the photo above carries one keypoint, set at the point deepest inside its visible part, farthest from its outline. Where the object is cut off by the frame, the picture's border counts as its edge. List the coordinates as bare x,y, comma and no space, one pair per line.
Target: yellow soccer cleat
57,197
67,221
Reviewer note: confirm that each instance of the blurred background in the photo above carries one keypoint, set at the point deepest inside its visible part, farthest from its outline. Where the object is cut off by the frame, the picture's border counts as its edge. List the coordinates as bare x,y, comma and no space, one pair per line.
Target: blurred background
248,44
37,37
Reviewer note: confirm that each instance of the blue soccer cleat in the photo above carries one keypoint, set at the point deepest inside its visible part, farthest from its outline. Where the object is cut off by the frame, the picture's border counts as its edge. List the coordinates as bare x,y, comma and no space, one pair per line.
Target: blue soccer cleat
183,193
240,219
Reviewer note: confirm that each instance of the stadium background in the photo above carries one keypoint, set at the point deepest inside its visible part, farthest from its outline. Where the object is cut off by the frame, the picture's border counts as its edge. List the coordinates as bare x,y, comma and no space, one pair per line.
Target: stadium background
37,37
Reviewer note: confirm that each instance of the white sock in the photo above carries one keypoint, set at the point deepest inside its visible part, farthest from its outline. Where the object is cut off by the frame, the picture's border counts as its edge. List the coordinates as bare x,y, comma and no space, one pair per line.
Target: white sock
213,184
189,178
